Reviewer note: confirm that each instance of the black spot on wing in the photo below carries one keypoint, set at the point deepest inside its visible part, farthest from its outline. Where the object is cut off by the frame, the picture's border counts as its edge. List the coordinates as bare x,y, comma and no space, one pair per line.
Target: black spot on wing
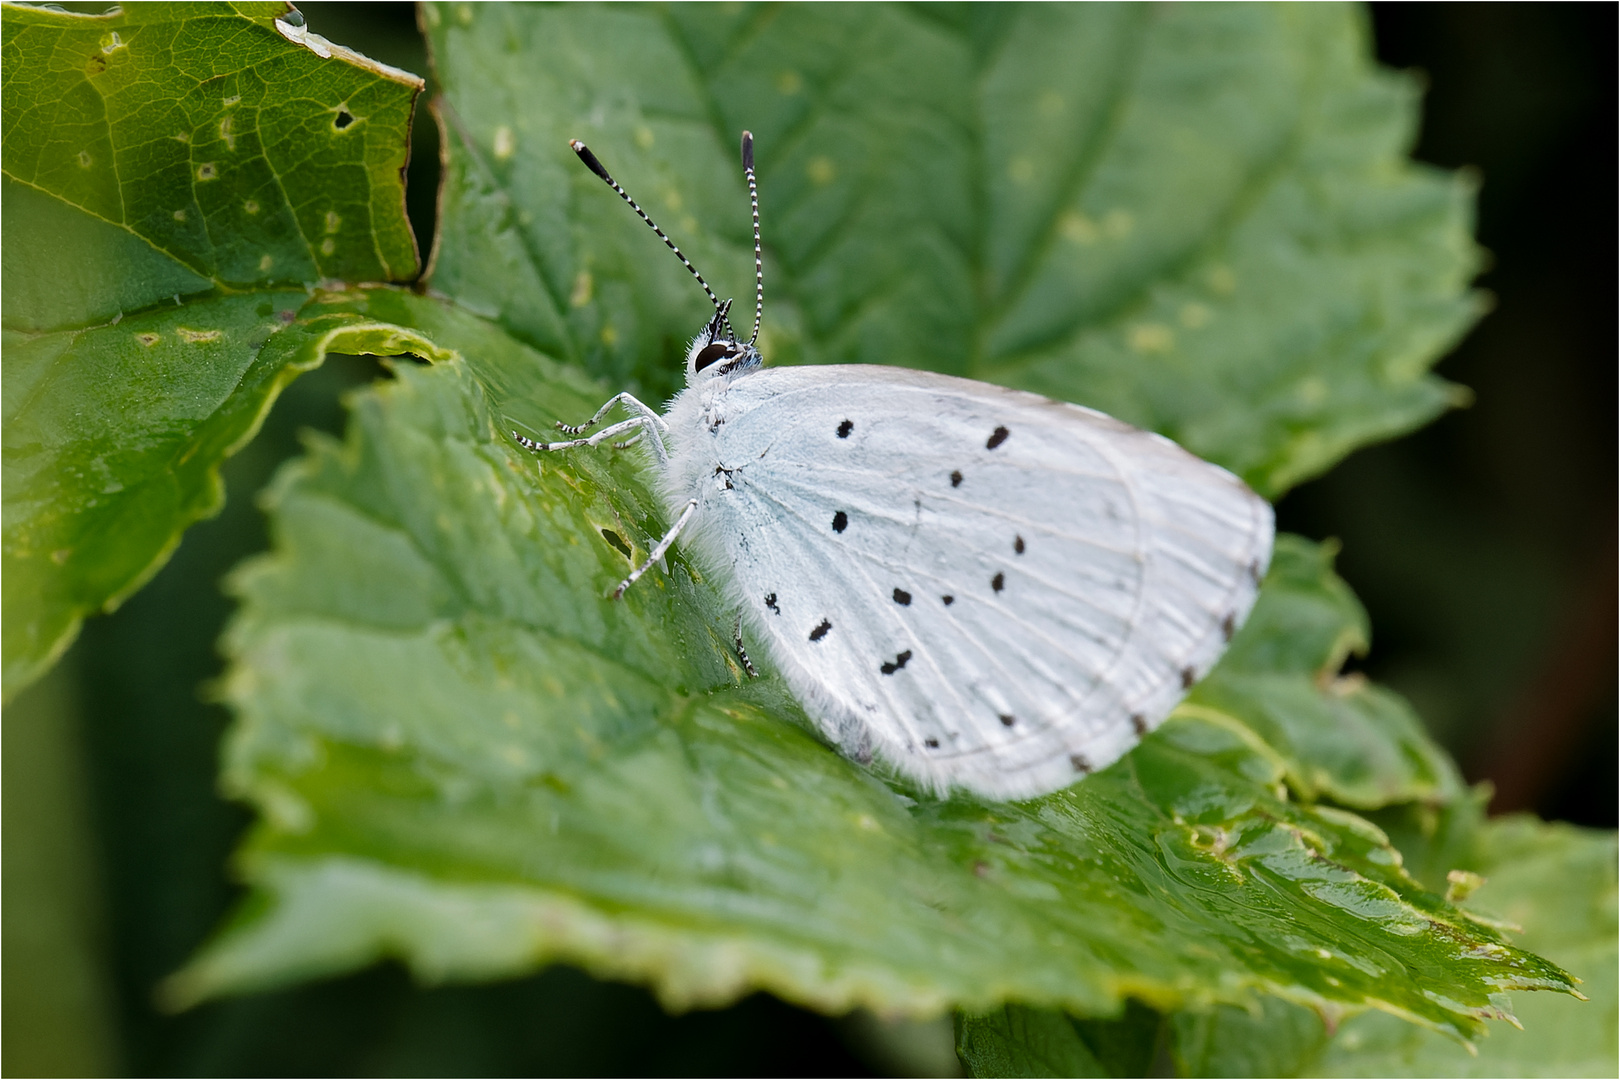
1081,765
821,630
997,437
1229,625
956,478
1018,545
889,668
1254,571
1188,677
1008,720
932,744
840,522
845,428
770,602
1139,724
902,597
949,599
998,582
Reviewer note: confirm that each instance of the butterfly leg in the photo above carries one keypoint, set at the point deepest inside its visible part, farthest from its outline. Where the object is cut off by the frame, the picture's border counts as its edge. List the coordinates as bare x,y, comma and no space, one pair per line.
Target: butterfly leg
629,401
658,550
742,653
641,425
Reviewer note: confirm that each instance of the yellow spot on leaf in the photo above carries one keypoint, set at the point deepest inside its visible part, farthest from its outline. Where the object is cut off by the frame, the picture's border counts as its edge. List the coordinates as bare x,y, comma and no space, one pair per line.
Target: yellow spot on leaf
285,809
584,285
197,337
505,144
609,335
148,340
1150,338
1461,884
1021,170
182,137
225,133
207,171
644,137
266,262
231,101
1079,228
867,822
111,43
251,206
328,246
1194,315
1118,224
1222,280
789,82
84,159
464,14
60,556
1347,685
179,215
821,170
333,221
672,200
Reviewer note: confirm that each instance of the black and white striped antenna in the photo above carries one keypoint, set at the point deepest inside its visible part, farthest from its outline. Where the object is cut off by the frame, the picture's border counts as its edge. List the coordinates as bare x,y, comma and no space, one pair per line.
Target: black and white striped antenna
753,202
595,166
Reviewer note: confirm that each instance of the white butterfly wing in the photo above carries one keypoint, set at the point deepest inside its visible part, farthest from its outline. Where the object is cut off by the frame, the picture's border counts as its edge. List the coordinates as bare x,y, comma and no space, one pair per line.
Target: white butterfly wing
986,588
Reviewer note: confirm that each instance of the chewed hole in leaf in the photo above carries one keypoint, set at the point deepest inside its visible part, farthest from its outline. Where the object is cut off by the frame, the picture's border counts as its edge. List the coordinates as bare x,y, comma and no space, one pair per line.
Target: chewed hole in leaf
618,543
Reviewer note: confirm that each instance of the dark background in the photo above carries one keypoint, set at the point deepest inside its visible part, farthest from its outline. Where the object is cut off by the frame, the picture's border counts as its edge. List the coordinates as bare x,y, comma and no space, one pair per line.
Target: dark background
1483,546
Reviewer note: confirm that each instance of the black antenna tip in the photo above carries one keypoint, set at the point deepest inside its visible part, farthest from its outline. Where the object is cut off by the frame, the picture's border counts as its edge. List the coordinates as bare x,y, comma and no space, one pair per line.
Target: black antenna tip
748,150
589,159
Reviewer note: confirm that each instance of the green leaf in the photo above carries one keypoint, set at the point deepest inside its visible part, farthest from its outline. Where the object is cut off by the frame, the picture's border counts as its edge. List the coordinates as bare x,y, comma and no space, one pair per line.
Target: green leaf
1197,218
1015,1040
1343,738
464,756
1556,882
174,177
218,134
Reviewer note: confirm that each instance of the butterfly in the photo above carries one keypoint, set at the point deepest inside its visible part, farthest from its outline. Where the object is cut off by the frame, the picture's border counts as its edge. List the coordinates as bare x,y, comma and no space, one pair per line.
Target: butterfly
986,589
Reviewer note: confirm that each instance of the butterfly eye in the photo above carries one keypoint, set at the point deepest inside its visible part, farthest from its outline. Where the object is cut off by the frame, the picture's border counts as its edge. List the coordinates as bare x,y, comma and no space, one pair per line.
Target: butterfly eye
710,354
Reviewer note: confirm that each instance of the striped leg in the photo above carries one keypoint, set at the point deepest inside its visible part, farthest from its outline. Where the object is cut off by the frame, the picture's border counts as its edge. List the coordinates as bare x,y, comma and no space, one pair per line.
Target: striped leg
641,425
629,401
742,653
658,549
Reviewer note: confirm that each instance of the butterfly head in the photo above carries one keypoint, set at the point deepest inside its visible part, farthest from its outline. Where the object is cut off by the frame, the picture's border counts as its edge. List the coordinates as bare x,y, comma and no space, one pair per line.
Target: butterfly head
716,351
